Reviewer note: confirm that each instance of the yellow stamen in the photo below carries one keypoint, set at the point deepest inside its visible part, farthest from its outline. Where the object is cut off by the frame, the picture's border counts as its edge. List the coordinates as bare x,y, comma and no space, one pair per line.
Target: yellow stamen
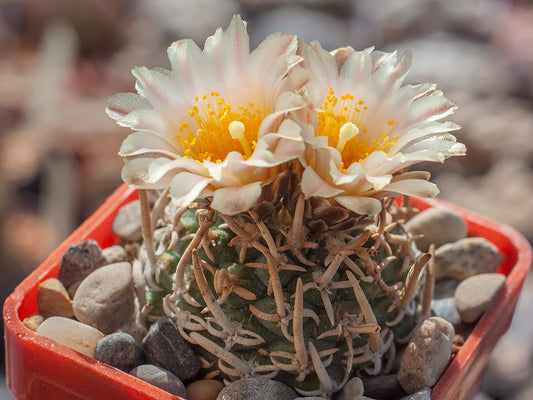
347,132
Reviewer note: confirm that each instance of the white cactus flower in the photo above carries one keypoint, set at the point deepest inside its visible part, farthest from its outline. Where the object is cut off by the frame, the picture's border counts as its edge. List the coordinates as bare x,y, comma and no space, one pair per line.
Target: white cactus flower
369,129
215,124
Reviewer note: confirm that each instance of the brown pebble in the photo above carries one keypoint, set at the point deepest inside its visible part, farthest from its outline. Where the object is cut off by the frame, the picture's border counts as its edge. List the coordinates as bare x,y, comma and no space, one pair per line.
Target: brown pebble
53,299
33,321
204,389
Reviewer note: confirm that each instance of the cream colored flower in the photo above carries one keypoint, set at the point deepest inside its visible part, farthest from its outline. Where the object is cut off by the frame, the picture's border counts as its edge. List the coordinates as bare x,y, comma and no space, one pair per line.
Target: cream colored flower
368,128
215,124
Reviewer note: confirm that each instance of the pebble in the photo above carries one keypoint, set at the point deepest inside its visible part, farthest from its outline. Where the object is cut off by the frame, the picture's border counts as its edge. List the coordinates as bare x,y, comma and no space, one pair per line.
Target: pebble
445,308
382,387
257,389
163,346
427,354
439,225
127,224
68,332
204,389
466,257
352,388
105,299
114,254
33,321
79,261
160,378
445,288
422,394
119,350
310,398
53,299
475,294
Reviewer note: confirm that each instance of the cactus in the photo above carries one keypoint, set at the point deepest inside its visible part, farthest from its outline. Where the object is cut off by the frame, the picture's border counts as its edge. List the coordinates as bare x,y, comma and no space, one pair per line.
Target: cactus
295,289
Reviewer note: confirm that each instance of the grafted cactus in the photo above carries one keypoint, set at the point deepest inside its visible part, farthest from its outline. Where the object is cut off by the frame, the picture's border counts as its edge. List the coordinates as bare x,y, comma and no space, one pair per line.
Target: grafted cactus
299,290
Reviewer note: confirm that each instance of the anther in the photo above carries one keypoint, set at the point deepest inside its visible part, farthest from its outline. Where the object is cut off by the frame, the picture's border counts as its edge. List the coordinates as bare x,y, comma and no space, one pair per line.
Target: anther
348,131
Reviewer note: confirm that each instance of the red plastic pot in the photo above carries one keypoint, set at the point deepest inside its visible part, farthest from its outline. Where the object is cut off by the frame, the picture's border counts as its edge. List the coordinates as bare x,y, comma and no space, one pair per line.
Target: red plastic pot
38,368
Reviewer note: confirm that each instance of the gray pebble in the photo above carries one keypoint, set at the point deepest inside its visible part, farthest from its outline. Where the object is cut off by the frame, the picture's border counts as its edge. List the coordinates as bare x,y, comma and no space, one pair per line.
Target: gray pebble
439,225
466,257
127,224
257,389
114,254
204,389
119,350
422,394
352,389
445,308
160,378
105,299
445,288
79,261
426,355
382,387
164,346
475,294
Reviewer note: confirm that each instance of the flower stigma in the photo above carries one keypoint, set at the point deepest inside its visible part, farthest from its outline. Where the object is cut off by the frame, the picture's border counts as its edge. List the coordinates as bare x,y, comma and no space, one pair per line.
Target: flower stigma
215,129
341,122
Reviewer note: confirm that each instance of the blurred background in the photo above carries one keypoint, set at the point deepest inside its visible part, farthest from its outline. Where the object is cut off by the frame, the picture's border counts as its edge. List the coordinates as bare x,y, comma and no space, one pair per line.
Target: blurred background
61,59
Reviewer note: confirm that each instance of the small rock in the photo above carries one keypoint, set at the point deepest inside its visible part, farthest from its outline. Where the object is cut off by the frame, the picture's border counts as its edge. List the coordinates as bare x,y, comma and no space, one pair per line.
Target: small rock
439,225
445,308
114,254
160,378
127,224
427,354
257,389
475,294
353,388
422,394
119,350
445,288
204,389
73,288
310,398
383,387
53,299
33,321
68,332
79,261
163,346
466,257
105,299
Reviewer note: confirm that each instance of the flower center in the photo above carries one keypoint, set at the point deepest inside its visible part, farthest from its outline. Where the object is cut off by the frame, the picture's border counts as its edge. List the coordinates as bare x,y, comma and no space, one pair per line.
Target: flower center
341,122
219,129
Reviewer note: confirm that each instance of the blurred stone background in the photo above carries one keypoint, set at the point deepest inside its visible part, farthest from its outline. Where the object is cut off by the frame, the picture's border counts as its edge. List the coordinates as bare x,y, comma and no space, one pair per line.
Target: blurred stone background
61,59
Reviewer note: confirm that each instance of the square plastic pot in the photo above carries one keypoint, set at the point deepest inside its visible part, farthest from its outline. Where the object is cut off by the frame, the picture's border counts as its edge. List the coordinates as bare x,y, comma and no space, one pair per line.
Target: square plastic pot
38,368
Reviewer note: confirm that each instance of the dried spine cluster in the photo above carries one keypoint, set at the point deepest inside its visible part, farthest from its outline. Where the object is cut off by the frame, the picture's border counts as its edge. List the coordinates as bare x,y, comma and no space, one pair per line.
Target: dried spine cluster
296,289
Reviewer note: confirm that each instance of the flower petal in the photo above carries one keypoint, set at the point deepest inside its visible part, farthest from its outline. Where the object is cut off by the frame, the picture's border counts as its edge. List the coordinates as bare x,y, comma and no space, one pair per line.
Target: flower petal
360,205
234,200
314,186
186,187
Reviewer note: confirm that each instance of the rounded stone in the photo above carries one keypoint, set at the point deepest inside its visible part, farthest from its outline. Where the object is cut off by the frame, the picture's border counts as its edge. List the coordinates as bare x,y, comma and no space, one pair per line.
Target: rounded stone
73,334
257,389
79,261
382,386
475,294
127,224
204,389
163,346
53,299
422,394
160,378
426,355
445,308
445,288
33,321
352,389
439,225
466,257
105,299
115,254
119,350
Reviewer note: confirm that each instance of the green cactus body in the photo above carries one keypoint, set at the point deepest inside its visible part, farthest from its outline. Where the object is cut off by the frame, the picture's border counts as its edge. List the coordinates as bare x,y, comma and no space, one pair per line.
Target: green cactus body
311,312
